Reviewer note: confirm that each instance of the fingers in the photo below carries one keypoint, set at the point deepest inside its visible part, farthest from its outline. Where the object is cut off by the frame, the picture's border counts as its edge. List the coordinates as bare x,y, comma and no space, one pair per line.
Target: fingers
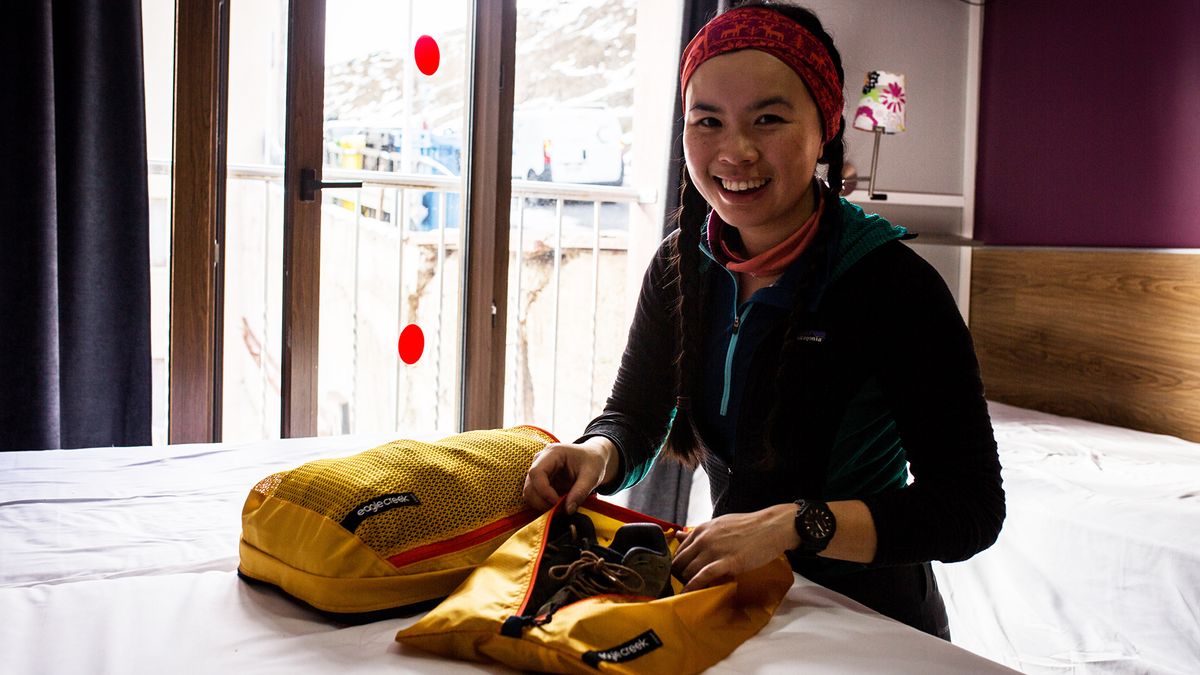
562,468
685,553
694,564
539,492
585,482
717,551
698,565
712,574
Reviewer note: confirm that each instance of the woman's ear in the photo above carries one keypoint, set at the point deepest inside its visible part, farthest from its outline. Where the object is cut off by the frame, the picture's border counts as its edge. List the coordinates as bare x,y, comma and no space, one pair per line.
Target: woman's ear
826,150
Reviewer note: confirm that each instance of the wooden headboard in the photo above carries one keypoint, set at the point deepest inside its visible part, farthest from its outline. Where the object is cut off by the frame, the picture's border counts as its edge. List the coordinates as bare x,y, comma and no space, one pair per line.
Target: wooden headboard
1111,336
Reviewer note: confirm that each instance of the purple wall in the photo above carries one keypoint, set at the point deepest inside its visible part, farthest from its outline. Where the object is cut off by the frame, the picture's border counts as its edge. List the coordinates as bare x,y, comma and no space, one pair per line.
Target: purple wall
1090,124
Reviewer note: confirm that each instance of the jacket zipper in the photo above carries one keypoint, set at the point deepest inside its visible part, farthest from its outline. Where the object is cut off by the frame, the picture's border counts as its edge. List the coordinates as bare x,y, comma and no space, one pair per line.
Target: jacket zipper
737,323
738,320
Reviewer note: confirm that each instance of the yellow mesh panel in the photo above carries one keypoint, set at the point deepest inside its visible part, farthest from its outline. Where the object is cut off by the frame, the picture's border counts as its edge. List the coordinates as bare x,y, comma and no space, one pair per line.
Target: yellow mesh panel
463,482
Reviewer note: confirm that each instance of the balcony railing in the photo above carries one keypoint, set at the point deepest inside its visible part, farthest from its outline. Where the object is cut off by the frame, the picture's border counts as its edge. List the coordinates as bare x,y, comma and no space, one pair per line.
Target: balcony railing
553,225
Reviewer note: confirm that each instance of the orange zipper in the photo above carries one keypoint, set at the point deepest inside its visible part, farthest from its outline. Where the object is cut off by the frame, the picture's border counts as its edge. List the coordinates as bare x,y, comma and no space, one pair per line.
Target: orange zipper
624,515
464,541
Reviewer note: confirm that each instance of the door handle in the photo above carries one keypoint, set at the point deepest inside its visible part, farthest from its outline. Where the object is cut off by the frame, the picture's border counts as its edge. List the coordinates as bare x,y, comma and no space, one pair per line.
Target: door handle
309,184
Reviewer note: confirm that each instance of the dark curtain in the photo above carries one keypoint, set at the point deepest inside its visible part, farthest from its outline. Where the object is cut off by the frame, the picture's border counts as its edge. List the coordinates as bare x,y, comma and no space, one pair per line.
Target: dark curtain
74,255
664,492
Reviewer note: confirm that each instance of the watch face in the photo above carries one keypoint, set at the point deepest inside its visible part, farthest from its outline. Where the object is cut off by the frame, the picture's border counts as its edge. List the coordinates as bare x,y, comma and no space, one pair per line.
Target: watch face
818,523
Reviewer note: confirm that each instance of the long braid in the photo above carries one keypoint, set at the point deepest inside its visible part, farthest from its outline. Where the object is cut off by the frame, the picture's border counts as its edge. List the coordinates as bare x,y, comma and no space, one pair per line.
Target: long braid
684,442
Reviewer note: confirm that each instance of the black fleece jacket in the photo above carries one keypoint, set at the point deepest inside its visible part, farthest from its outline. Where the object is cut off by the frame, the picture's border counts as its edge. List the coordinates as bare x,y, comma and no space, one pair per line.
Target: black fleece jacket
894,338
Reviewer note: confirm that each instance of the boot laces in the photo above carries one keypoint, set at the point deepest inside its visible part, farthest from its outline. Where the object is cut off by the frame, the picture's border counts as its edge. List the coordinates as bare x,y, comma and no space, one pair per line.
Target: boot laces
592,575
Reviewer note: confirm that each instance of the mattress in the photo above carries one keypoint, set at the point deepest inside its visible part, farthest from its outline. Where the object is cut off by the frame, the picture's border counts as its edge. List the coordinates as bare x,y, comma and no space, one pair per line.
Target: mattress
122,560
1097,569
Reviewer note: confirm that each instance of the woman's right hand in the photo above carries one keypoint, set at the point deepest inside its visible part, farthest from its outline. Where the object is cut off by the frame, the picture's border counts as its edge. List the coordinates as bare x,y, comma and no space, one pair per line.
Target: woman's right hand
574,469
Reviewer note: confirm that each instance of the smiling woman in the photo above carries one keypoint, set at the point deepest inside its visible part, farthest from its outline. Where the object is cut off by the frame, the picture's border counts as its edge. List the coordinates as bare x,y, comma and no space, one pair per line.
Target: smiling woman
768,346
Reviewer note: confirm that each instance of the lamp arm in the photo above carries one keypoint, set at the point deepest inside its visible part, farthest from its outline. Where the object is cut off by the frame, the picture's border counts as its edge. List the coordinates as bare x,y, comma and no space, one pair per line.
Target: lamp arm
874,161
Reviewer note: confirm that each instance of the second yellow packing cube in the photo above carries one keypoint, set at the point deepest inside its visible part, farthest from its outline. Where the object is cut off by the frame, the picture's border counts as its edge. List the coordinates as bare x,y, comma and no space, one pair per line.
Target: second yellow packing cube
388,530
684,633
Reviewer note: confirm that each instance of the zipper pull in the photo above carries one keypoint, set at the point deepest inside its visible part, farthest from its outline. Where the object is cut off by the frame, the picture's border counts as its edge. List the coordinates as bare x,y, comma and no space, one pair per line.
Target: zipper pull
737,322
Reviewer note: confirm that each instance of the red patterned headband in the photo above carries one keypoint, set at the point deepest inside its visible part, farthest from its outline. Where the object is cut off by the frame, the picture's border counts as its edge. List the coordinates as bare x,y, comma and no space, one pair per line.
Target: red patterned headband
771,32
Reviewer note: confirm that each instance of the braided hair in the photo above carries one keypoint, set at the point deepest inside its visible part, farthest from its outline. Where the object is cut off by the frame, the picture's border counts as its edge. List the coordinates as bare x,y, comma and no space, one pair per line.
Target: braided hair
684,442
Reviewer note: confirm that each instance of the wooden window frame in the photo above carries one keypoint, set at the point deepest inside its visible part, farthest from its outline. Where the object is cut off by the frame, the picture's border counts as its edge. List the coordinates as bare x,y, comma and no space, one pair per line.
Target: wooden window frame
197,220
488,198
302,219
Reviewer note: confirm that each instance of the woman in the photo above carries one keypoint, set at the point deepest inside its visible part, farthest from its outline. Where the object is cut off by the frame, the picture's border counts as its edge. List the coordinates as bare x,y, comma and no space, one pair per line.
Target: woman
795,347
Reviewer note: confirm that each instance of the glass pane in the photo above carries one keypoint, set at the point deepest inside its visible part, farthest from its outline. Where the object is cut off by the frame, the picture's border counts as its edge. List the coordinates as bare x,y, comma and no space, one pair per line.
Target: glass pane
591,132
391,291
158,44
252,331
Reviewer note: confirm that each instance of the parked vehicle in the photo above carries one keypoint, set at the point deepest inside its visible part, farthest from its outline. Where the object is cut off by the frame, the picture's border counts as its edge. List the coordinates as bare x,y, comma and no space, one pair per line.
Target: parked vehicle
376,146
568,145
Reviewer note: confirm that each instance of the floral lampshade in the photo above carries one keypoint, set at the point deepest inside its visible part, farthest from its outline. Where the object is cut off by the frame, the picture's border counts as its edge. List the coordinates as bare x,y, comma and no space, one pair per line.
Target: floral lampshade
883,103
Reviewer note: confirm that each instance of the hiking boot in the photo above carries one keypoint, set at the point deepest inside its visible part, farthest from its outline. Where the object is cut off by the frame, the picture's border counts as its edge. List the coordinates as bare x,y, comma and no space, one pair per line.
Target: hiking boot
589,576
643,548
569,535
638,562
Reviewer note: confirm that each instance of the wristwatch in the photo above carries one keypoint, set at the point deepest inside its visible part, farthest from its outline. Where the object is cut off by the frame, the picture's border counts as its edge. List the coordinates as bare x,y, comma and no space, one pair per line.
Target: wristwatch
815,524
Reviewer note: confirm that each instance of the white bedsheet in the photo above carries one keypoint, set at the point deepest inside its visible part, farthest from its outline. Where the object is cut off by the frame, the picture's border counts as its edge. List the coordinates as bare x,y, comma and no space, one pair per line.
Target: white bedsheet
122,561
71,515
1097,569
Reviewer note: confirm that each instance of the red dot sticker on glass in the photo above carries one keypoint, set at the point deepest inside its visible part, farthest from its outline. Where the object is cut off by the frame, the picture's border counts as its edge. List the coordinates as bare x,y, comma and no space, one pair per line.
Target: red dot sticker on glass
411,344
427,55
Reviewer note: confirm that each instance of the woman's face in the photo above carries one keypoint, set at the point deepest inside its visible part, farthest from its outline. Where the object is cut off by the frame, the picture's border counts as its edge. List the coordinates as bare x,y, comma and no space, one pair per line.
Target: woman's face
751,139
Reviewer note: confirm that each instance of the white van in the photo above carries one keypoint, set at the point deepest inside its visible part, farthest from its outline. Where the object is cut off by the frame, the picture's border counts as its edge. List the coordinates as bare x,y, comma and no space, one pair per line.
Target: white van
568,145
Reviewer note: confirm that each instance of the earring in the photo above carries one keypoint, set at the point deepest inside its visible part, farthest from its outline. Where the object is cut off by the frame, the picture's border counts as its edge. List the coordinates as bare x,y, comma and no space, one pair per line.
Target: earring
821,173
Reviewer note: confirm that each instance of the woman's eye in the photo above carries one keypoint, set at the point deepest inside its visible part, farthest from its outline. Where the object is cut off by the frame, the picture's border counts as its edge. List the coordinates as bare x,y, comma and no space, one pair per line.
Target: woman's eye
709,122
769,119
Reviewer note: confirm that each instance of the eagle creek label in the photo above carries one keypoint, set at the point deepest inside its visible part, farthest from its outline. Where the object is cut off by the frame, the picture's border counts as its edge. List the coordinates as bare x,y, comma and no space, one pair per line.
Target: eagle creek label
376,506
626,651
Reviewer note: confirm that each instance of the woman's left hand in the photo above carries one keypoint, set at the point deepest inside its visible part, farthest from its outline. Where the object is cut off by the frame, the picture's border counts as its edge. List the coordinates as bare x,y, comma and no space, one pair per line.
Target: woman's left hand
722,548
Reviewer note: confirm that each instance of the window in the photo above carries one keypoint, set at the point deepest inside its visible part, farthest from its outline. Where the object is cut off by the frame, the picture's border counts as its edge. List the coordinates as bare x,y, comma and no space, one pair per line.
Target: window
591,137
251,337
591,131
391,252
158,44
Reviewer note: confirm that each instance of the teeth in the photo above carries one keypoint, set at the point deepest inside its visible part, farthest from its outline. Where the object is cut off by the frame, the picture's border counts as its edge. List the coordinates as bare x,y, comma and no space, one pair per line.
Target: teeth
741,185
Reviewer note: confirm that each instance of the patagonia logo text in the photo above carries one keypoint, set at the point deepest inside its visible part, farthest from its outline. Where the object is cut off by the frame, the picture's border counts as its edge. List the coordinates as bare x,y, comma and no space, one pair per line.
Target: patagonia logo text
816,336
378,505
626,651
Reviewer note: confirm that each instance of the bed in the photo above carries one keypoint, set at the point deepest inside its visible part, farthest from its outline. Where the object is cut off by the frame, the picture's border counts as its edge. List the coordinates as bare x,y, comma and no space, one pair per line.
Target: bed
122,560
1091,358
1097,569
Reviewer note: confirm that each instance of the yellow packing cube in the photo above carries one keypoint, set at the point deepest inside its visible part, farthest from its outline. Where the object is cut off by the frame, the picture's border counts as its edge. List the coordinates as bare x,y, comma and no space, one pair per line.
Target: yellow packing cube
491,617
391,529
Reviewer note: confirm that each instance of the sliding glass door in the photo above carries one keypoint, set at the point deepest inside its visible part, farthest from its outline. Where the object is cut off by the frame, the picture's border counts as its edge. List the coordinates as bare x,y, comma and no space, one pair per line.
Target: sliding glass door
386,250
396,85
591,129
340,309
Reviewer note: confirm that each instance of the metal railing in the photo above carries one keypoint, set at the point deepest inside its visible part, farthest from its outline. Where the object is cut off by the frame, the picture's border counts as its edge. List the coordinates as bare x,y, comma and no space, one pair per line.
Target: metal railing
378,217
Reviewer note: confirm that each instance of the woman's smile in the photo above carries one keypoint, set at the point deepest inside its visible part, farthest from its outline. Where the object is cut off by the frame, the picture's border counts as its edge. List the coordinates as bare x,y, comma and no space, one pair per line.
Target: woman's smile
743,186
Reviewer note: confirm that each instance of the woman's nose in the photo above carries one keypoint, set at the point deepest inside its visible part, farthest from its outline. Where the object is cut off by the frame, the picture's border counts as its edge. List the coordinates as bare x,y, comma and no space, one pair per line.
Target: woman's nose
739,148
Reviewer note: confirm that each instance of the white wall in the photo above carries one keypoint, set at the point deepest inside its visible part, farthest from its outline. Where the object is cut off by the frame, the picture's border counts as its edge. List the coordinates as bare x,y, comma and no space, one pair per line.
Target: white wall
927,41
